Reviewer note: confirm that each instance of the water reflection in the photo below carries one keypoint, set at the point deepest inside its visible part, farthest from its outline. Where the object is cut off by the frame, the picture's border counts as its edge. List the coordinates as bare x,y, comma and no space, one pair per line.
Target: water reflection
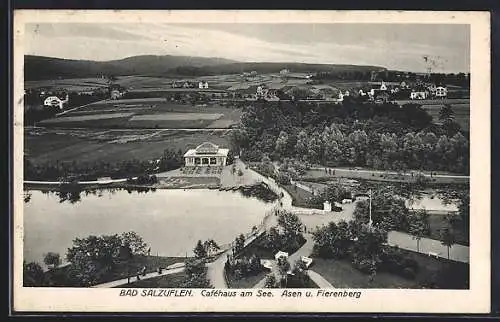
74,195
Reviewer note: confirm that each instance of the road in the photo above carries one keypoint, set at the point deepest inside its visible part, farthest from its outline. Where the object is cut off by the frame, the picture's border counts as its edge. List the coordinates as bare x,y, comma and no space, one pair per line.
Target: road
458,253
79,107
350,172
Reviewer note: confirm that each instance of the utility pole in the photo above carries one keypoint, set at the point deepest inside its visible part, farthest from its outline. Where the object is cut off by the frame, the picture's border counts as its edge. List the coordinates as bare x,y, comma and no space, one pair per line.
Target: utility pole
370,211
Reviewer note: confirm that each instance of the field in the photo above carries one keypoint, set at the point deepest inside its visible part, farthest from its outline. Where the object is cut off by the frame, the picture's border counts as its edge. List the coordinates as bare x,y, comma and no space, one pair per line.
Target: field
175,280
72,84
50,145
145,113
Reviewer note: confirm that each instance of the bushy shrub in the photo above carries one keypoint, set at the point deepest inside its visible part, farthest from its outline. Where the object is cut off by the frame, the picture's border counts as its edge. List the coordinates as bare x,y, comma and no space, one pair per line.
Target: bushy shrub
283,178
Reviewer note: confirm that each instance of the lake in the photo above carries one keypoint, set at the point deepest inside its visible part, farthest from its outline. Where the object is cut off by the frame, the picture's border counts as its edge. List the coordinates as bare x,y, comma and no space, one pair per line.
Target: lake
170,221
432,203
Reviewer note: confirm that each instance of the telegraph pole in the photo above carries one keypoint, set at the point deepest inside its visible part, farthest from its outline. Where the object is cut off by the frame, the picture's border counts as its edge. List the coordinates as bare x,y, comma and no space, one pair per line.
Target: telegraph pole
370,211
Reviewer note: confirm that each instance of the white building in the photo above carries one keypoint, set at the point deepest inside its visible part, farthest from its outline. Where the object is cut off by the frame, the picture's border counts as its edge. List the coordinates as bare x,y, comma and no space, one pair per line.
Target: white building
116,94
206,154
441,91
55,101
420,95
203,85
284,72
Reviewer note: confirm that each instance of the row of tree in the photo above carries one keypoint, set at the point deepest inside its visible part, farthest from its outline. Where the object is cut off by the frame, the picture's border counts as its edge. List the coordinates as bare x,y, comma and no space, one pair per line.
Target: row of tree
389,212
57,170
393,139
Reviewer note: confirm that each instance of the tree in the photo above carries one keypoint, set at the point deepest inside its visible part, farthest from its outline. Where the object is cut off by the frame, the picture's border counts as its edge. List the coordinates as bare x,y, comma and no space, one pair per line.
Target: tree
300,273
464,211
447,239
315,148
418,226
281,144
32,274
446,113
210,247
199,251
367,248
196,274
281,269
270,281
126,257
302,144
94,257
273,239
239,243
333,240
290,223
52,259
135,242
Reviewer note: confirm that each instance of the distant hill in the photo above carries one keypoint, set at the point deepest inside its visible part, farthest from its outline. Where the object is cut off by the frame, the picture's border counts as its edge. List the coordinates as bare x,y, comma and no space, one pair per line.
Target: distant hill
41,68
264,67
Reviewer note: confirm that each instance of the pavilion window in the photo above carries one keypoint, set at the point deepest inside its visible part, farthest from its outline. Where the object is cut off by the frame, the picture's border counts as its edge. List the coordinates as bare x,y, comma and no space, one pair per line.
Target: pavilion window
213,161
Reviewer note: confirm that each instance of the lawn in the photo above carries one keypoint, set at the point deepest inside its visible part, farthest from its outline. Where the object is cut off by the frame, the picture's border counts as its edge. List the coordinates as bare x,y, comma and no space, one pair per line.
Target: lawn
299,196
441,273
150,262
175,280
111,146
341,274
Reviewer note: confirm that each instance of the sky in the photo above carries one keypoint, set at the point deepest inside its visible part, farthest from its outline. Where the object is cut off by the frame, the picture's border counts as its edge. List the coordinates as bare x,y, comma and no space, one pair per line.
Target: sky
394,46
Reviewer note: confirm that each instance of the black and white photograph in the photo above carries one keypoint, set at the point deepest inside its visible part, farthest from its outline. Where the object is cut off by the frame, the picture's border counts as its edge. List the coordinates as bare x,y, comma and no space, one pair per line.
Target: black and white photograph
250,158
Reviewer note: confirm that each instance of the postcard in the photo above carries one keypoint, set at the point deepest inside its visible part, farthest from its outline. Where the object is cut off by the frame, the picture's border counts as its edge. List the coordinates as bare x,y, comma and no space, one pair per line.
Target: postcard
251,161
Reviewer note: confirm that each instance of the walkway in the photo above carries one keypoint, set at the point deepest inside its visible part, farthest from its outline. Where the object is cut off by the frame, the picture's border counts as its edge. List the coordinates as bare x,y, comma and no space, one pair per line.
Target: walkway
367,174
172,269
319,280
458,253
